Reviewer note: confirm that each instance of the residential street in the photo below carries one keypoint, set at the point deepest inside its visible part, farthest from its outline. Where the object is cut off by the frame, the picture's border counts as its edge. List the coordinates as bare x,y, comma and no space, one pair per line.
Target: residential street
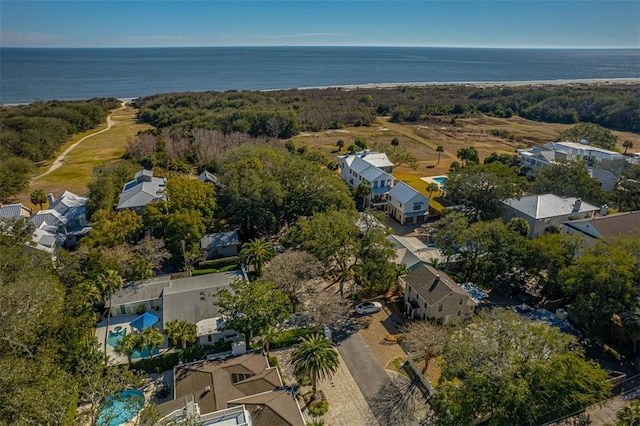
363,365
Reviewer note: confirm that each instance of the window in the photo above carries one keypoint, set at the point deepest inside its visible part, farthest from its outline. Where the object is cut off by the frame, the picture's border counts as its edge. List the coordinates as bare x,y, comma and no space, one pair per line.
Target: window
209,338
460,301
375,183
440,308
152,304
417,206
123,311
458,313
425,305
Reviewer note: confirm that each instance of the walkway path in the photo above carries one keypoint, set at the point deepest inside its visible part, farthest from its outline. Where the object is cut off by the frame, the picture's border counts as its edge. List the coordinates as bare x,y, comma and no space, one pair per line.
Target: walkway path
58,161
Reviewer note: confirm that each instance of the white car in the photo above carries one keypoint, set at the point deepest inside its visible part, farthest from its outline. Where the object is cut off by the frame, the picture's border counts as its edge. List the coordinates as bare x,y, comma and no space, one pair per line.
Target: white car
368,308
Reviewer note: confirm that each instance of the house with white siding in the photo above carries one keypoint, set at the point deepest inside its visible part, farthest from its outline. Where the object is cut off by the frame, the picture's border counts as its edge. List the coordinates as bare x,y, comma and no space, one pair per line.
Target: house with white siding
407,205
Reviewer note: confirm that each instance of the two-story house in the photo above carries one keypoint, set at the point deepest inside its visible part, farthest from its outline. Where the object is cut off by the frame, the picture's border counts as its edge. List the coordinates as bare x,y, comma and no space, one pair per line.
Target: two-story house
432,294
374,168
407,205
554,152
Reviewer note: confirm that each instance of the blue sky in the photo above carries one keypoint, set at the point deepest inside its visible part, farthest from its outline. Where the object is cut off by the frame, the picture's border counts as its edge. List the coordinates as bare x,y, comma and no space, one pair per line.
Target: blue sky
139,23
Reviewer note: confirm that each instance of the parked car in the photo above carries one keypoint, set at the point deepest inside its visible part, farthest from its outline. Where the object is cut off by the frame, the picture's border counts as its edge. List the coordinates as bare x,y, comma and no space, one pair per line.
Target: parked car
368,307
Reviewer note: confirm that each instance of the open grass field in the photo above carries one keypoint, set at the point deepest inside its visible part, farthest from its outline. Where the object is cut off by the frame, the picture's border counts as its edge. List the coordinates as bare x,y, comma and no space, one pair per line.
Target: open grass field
486,134
76,171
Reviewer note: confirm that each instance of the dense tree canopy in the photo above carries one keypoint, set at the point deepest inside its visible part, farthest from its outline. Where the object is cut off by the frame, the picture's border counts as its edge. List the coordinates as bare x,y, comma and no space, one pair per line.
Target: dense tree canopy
570,179
509,370
252,307
266,189
482,188
605,281
594,134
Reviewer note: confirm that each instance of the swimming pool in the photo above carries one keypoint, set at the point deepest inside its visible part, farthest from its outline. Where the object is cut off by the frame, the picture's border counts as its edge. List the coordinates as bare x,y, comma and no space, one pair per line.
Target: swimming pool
121,409
440,179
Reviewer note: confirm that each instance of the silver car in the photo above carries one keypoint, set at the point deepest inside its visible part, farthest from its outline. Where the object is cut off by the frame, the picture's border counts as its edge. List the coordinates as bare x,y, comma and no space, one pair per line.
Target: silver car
368,308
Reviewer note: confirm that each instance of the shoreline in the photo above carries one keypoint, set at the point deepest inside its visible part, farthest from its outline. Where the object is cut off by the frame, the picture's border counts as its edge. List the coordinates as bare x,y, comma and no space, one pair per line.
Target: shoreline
383,85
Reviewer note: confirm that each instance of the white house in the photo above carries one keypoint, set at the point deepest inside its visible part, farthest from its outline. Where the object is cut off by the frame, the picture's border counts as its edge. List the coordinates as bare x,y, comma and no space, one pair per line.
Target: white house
189,299
545,212
411,252
554,152
371,167
141,191
407,205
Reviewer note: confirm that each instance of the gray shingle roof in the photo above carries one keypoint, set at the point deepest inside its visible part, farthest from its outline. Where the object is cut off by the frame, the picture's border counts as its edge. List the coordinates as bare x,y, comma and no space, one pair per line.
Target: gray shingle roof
548,205
220,239
431,284
142,190
13,211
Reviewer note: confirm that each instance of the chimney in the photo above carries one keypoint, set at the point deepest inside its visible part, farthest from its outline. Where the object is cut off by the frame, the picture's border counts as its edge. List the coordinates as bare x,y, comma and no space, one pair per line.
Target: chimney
576,205
604,210
50,198
435,282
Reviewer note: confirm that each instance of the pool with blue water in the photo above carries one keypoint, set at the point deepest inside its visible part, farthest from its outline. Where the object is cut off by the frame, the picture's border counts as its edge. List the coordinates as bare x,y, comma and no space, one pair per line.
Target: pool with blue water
122,408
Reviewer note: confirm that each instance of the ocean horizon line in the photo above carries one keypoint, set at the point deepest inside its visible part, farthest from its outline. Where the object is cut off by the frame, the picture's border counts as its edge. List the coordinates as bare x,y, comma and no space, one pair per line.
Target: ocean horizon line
325,46
480,84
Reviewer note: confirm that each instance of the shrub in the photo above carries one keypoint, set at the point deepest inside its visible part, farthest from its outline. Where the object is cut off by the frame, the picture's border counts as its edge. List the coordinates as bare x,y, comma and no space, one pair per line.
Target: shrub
290,337
319,408
218,263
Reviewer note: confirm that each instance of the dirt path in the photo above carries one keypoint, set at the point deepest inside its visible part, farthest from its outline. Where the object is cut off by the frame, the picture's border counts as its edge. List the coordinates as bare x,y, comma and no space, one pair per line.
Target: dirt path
60,160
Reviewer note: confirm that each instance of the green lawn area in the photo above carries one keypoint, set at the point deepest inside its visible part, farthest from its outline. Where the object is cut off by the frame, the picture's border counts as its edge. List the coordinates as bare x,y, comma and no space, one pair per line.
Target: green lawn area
76,172
421,186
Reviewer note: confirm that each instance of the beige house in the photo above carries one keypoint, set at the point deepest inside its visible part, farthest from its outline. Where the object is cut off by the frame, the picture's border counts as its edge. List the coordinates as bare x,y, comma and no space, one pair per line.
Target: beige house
432,294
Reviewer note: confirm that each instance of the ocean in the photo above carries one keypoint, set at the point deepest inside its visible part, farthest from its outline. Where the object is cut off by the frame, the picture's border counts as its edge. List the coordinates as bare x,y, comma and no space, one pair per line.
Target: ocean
29,75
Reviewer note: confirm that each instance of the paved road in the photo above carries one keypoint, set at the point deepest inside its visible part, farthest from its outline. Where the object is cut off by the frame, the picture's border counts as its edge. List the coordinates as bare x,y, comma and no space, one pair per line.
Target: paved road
363,365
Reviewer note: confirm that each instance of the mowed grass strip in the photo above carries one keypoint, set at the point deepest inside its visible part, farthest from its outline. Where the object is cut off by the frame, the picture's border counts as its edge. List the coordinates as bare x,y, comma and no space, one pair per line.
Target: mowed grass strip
76,171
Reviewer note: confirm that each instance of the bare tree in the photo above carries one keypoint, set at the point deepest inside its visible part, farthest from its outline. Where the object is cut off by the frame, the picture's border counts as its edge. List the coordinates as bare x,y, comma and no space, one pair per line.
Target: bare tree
143,145
425,339
176,146
291,272
400,402
324,308
274,126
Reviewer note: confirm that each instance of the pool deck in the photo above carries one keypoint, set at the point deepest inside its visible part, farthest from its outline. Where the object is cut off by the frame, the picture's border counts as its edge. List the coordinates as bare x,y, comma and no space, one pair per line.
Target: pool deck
123,322
430,179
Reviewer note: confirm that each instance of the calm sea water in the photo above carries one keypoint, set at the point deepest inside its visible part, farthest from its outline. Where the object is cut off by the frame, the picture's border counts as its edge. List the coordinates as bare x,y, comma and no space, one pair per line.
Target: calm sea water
28,75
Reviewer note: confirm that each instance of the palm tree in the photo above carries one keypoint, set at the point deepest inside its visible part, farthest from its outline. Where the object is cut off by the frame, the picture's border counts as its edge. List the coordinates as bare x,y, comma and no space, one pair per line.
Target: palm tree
626,145
257,253
439,150
128,344
267,337
363,190
39,197
181,331
108,283
432,187
315,357
152,338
